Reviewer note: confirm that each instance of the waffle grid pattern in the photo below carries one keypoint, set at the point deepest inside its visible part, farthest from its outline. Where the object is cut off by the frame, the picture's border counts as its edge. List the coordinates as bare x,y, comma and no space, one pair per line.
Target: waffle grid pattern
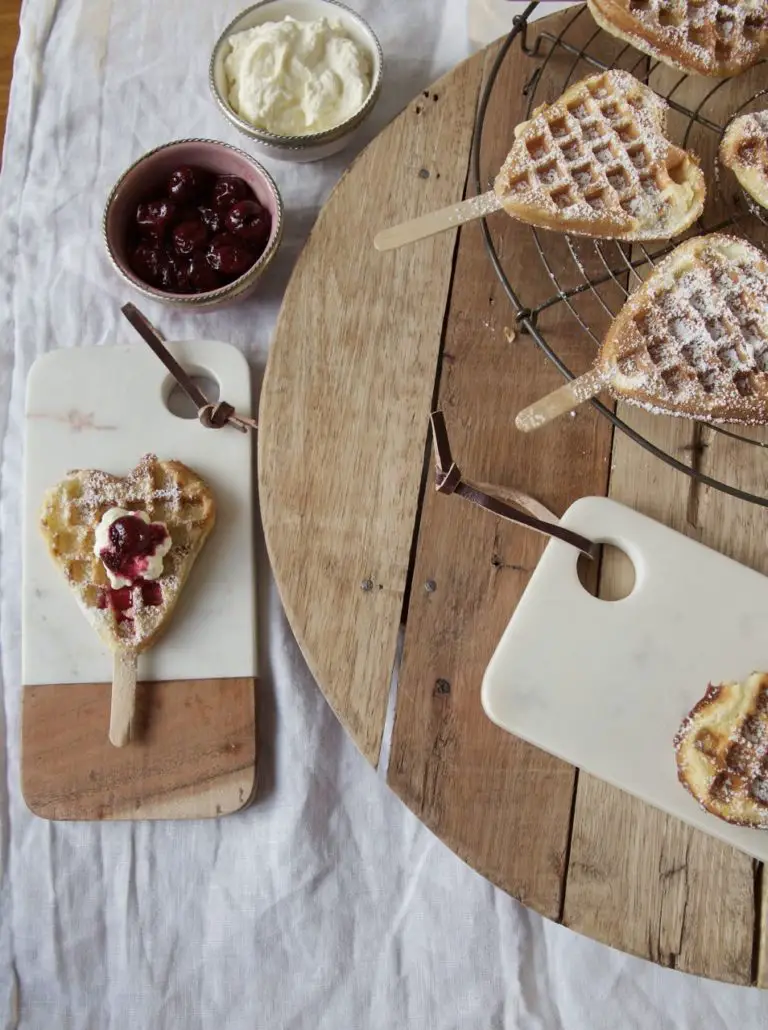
168,492
590,283
597,161
696,334
751,131
710,36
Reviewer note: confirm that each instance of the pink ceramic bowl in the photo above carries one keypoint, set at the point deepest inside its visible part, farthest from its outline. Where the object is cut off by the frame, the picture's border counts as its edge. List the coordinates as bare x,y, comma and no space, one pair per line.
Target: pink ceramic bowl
150,173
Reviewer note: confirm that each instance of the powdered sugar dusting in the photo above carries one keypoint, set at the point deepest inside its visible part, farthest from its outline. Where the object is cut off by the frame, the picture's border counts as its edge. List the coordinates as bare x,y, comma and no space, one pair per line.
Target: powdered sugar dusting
596,162
693,340
167,492
722,751
744,149
142,488
713,37
746,142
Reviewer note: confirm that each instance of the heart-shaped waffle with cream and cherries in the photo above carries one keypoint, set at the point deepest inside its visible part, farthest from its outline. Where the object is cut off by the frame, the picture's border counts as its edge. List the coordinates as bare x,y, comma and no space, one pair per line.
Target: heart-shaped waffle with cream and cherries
127,545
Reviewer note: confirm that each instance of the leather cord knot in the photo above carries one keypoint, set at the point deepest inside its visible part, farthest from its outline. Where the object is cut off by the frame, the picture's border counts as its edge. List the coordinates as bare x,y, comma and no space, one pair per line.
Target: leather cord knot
215,416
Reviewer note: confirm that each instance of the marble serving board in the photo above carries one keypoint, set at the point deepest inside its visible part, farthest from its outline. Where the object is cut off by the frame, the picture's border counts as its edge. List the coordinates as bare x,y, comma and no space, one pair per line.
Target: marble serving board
604,685
104,407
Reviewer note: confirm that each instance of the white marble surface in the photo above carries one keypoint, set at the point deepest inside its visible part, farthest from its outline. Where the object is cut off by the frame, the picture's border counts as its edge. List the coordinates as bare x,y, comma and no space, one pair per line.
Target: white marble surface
611,695
327,906
104,408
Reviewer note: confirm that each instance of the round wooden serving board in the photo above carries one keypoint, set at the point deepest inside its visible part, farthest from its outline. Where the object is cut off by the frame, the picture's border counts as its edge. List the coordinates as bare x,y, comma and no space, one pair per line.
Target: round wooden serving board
366,345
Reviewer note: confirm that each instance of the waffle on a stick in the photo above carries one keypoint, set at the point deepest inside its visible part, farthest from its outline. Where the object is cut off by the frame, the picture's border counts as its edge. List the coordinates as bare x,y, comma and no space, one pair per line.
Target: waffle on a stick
127,617
596,163
693,339
710,37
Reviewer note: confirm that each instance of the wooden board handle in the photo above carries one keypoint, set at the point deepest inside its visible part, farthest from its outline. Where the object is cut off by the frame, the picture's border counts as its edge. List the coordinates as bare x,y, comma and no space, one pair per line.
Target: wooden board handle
437,221
560,401
123,697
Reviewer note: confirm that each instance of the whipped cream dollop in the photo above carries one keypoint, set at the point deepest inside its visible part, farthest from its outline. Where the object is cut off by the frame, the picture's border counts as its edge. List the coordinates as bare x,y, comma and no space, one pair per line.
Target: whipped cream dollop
296,77
130,546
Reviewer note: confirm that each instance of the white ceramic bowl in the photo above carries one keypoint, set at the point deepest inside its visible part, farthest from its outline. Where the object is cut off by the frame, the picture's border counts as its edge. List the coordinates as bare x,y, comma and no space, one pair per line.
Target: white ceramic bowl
316,145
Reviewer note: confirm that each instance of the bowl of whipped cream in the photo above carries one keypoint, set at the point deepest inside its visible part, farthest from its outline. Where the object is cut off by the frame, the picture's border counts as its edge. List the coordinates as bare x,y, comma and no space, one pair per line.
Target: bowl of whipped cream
298,77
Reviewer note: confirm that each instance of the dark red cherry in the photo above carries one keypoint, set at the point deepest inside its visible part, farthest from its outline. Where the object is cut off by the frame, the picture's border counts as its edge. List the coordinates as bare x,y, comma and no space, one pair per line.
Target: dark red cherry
180,265
189,236
130,538
229,256
120,601
168,278
146,262
228,190
249,221
131,542
200,275
151,593
210,217
186,184
155,217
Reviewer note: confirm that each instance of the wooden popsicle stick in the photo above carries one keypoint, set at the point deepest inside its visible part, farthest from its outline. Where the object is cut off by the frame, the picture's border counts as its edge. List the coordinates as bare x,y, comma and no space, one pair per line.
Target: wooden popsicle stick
437,221
557,403
123,697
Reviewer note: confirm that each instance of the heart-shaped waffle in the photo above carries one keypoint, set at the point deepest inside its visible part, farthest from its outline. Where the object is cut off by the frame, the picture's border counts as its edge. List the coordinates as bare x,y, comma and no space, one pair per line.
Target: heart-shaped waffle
693,339
722,751
596,162
128,618
711,37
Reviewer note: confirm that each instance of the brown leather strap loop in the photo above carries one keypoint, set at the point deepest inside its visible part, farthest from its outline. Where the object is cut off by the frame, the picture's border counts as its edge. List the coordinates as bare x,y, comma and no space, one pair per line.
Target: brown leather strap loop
447,474
449,480
212,416
442,445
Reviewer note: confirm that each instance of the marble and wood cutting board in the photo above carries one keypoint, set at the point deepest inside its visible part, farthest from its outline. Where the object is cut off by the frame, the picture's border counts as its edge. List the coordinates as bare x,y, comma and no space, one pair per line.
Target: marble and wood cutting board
194,752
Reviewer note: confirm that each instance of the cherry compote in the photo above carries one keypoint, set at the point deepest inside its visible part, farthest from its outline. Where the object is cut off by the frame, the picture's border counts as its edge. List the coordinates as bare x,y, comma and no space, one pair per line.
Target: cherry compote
202,232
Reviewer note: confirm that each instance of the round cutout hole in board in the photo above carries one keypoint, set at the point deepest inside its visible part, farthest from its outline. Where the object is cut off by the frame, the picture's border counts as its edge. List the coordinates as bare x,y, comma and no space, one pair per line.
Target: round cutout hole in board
177,402
614,570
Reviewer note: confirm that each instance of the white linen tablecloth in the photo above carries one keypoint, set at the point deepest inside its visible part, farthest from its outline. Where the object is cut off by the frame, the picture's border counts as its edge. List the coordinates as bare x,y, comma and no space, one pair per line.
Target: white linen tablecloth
326,905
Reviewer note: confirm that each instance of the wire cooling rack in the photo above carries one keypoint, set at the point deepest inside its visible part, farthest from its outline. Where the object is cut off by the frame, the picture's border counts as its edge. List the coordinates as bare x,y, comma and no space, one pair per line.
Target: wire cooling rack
603,272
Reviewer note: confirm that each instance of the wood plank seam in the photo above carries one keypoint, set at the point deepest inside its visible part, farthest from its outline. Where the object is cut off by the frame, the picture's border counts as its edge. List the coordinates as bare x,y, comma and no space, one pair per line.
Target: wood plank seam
758,944
428,463
470,605
363,360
